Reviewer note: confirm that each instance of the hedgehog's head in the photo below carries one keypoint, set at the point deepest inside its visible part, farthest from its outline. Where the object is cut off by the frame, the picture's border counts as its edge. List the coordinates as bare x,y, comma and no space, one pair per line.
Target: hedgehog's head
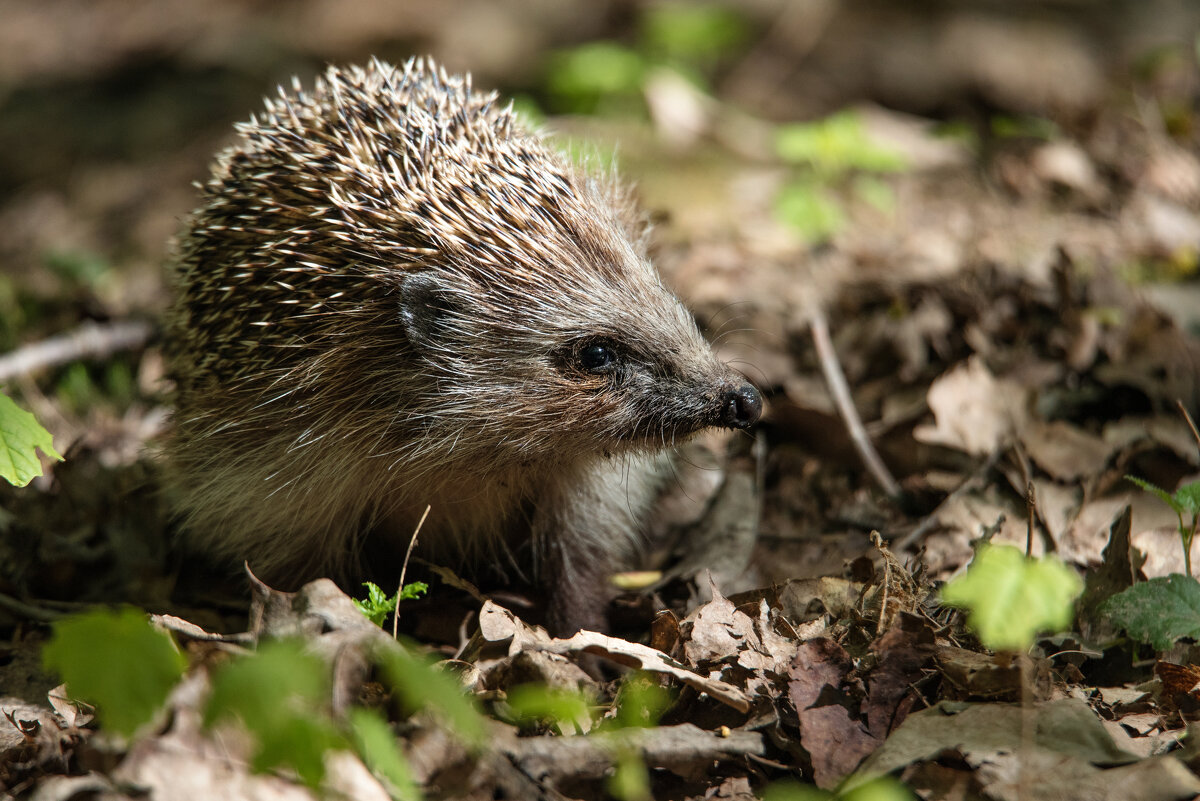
537,370
541,320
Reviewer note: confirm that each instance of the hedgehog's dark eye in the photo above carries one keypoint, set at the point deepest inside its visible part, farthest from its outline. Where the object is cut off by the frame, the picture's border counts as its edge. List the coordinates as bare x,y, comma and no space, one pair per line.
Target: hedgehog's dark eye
597,357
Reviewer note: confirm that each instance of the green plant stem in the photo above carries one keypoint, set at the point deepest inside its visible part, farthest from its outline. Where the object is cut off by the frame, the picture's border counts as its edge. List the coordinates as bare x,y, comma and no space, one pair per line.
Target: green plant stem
1186,536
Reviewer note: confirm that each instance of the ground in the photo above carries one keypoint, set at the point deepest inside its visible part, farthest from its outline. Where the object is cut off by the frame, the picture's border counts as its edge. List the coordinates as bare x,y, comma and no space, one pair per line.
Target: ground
985,218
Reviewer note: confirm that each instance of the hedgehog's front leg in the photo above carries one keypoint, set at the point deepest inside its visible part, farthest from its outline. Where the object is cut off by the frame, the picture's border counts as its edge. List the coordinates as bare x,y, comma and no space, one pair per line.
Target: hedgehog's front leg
590,526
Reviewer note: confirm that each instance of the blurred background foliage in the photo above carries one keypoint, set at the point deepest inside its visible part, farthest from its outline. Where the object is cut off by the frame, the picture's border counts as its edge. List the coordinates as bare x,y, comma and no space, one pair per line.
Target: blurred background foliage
738,119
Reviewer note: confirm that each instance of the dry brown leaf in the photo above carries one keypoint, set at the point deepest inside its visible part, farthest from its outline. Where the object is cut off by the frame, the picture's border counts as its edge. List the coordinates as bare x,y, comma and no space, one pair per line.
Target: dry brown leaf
903,654
973,410
975,675
1057,506
1066,452
830,729
1179,680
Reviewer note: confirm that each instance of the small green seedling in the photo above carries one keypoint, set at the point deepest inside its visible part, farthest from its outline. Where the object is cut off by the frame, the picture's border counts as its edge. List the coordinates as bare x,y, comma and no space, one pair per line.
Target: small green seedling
21,436
1012,597
835,146
379,604
1166,608
1185,500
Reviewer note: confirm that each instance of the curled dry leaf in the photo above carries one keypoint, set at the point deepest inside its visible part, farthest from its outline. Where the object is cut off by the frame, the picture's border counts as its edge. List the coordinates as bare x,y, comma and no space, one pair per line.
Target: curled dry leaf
499,625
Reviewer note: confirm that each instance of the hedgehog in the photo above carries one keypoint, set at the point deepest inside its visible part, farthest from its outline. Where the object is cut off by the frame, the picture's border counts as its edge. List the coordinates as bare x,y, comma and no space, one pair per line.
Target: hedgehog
393,296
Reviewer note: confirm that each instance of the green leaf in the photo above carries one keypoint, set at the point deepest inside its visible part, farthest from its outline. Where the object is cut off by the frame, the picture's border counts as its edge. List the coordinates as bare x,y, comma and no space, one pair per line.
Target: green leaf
884,788
691,33
377,746
378,606
809,209
279,694
20,438
630,781
1027,127
1158,611
1187,497
1011,597
789,790
419,684
117,661
75,388
79,266
835,145
537,702
640,702
583,75
413,590
300,742
1162,494
876,192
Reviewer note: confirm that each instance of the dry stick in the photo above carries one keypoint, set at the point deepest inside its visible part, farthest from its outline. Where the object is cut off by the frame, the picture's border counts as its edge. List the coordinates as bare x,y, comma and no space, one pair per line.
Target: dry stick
90,340
1030,511
877,541
931,520
29,611
1183,410
1030,496
404,568
1028,725
840,390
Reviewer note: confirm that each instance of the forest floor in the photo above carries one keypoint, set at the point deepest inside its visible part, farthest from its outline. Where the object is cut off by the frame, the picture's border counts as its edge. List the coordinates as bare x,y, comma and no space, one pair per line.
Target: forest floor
997,249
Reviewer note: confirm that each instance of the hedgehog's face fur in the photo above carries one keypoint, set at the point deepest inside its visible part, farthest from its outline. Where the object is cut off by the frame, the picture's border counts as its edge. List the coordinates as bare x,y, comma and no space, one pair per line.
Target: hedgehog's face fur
394,255
546,371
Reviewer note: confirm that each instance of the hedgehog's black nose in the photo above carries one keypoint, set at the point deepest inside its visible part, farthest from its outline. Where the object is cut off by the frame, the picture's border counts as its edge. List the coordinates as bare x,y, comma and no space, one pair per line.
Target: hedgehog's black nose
742,407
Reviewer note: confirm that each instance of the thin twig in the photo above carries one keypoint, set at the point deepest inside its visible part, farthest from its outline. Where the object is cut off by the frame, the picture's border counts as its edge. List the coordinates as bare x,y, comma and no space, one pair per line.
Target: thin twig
1183,410
89,340
877,541
1030,503
1030,511
931,520
29,611
840,390
404,569
1028,726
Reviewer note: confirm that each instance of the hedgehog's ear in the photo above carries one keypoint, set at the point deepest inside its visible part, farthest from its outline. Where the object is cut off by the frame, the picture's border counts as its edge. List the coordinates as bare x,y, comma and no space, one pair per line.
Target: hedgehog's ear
425,302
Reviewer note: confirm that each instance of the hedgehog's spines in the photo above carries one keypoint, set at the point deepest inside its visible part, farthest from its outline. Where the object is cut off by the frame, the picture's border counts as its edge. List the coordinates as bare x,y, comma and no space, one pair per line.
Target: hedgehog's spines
377,307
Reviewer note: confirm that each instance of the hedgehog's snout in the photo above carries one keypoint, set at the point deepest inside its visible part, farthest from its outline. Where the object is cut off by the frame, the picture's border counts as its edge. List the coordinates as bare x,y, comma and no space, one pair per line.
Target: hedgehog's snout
741,407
